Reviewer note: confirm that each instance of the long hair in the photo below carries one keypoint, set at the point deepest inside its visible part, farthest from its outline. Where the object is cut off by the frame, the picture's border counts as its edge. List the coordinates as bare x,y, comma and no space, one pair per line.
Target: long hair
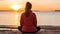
28,8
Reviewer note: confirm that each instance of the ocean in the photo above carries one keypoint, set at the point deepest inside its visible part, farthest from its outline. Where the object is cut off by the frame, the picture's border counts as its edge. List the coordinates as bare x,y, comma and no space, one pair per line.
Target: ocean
43,18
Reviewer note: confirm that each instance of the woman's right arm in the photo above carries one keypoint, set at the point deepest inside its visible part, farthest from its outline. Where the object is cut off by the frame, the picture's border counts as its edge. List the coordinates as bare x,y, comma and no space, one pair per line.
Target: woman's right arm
35,20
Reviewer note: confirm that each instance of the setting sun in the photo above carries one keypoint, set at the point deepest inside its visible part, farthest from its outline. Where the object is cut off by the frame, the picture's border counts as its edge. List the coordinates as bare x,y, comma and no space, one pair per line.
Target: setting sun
16,7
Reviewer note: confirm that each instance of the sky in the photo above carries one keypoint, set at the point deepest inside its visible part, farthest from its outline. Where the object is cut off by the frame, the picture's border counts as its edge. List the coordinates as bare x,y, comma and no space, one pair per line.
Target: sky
36,4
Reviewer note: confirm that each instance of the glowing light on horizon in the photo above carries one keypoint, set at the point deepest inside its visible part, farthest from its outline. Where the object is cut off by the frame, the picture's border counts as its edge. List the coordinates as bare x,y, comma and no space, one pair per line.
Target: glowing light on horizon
16,7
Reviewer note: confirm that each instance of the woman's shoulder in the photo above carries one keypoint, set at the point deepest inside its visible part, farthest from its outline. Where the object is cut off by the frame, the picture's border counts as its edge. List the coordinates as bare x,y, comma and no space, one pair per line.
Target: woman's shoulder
23,13
34,14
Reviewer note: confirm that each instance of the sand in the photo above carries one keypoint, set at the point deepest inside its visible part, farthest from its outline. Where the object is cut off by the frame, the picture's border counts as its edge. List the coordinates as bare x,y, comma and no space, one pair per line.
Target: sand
42,31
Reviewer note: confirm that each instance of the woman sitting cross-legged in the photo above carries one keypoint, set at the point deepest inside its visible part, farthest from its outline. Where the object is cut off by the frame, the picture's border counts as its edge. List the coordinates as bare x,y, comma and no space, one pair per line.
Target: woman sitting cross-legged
28,20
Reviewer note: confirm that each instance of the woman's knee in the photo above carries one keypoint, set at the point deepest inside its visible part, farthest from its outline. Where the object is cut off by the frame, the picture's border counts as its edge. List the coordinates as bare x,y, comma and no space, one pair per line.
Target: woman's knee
19,28
38,28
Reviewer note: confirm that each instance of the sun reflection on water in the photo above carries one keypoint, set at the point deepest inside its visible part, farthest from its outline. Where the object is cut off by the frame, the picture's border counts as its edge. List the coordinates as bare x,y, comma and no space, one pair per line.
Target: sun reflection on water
16,20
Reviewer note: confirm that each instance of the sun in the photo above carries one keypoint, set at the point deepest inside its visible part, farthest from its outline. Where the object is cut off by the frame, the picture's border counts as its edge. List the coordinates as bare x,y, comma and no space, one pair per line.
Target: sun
16,7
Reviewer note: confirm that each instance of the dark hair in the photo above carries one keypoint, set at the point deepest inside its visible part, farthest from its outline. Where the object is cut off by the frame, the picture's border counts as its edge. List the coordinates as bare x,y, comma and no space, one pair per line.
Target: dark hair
28,8
28,5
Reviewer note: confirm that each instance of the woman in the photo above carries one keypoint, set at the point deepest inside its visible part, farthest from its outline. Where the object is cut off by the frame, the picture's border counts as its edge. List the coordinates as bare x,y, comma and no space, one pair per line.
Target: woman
28,20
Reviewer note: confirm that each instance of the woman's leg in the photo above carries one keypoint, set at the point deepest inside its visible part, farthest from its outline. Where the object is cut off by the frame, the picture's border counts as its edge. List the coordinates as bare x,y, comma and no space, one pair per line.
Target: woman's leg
38,28
20,28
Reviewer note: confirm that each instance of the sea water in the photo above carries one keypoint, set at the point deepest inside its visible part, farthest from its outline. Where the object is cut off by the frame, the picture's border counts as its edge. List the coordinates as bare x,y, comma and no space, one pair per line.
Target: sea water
43,18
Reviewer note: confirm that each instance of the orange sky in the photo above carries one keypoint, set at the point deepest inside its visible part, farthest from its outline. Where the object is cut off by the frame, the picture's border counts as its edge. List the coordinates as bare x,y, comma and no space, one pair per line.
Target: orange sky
37,4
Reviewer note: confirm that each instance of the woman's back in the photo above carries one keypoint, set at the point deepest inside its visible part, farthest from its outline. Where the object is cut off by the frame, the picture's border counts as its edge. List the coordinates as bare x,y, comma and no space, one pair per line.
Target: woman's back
29,23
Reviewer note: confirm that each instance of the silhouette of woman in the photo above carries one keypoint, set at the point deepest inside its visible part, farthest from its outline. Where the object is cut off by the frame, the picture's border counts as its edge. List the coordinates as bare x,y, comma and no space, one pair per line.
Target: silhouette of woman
28,20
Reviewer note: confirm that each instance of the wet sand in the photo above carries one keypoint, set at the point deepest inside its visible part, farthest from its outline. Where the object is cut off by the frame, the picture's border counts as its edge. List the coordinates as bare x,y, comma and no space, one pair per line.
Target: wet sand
42,31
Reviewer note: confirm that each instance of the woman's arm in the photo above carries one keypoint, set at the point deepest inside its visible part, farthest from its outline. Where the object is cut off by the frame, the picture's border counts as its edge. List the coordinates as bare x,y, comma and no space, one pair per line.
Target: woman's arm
21,20
35,20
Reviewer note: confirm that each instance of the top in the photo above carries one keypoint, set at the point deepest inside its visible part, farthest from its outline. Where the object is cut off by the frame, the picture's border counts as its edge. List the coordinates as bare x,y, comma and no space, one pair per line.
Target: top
29,23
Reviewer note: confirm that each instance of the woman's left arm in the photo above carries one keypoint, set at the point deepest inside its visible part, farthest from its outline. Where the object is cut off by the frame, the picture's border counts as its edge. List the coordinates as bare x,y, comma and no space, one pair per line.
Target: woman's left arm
21,20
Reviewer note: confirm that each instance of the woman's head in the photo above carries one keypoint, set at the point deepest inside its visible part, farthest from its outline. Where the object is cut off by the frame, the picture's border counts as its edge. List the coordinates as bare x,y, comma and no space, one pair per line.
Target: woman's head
28,6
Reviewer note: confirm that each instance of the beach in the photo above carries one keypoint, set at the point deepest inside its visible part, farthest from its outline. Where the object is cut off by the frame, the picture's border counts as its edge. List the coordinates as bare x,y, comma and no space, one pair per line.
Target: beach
26,13
42,31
